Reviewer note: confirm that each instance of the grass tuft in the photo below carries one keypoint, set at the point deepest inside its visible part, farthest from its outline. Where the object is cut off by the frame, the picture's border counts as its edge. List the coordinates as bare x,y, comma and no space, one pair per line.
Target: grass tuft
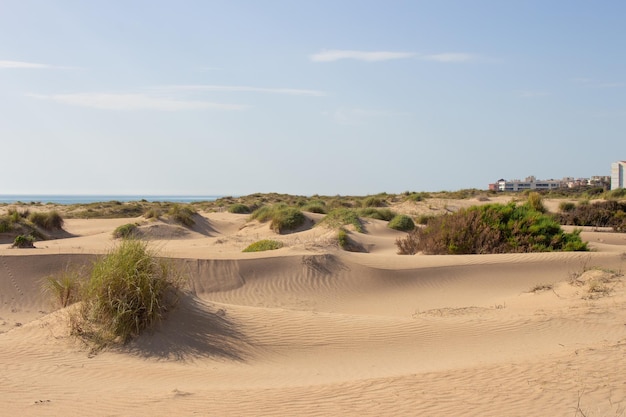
125,231
264,245
402,222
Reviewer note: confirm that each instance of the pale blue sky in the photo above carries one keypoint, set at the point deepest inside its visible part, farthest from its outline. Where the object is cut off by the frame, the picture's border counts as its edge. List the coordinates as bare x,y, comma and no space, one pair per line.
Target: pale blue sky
327,97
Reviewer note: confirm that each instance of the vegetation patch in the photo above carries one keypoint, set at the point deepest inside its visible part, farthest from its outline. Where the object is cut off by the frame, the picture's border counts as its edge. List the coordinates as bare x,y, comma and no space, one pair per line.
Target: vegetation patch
402,222
599,214
129,291
341,217
182,215
24,242
50,220
65,287
283,218
125,231
377,213
491,228
264,245
239,208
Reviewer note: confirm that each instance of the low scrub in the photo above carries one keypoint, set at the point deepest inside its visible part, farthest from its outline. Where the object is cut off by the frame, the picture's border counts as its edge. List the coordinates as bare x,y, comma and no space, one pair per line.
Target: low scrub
182,215
50,220
491,228
129,291
377,213
402,222
599,214
282,217
23,242
341,217
239,208
125,231
65,287
264,245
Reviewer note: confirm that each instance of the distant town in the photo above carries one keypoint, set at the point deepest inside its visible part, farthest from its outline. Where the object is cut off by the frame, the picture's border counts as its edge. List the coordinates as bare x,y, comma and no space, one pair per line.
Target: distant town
613,181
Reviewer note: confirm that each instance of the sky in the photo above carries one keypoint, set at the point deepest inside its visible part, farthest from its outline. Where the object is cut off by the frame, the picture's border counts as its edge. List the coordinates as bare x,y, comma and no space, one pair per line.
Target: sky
307,97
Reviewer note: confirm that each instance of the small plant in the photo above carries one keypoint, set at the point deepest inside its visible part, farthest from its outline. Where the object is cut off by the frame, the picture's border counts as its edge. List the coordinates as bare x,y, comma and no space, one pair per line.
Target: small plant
239,208
566,206
129,290
51,220
182,214
125,231
340,217
541,288
402,222
65,288
283,218
23,242
153,213
315,208
342,238
377,213
264,245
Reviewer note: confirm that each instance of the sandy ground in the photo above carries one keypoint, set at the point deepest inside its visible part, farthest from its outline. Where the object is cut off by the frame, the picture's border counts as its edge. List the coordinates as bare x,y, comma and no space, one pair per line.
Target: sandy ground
311,330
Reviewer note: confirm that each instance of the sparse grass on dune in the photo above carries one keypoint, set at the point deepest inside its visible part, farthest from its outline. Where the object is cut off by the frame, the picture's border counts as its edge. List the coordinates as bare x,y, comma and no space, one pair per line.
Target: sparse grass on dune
341,217
282,217
128,291
263,245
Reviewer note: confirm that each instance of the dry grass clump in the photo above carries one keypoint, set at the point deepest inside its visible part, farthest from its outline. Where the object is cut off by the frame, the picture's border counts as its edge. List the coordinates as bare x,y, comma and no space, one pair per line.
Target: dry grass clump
128,291
341,217
65,287
50,220
125,231
182,215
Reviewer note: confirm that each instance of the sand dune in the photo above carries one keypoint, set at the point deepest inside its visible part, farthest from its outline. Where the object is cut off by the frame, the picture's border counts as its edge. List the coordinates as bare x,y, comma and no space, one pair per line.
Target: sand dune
312,330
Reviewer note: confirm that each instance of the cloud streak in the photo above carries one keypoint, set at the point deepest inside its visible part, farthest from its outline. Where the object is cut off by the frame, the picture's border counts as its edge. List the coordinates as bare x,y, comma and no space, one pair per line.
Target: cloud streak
27,65
133,102
375,56
245,89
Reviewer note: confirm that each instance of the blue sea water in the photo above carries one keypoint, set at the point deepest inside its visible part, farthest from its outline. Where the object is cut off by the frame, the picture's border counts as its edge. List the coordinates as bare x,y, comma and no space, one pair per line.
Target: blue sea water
85,199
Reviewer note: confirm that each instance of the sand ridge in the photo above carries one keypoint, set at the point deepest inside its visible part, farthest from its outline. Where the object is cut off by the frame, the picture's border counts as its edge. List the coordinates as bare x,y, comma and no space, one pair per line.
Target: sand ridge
310,329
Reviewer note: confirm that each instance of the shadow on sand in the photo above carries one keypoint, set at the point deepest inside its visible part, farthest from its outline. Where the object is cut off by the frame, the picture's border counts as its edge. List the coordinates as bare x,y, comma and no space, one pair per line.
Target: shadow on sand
193,330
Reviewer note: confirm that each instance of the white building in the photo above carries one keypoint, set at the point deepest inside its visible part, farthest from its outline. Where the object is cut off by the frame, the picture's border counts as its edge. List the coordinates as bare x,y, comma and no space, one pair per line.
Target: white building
530,183
617,174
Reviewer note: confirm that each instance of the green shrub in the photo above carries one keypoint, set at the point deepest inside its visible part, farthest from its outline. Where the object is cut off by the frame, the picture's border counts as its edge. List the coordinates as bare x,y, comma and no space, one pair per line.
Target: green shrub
239,208
417,197
377,213
51,220
287,219
340,217
566,206
263,245
6,225
125,231
402,222
599,214
342,238
315,208
23,241
535,202
491,228
129,290
182,214
283,218
373,202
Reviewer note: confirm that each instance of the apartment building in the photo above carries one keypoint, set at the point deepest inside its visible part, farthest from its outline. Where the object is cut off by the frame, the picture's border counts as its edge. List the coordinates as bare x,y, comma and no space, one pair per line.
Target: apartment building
617,174
530,183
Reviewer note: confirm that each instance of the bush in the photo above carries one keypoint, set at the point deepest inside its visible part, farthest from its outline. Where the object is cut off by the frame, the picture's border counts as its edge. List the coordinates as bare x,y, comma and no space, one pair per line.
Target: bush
182,214
377,213
152,213
402,222
599,214
373,202
263,245
282,217
125,231
315,208
51,220
342,238
340,217
6,225
566,206
491,228
23,241
239,208
129,290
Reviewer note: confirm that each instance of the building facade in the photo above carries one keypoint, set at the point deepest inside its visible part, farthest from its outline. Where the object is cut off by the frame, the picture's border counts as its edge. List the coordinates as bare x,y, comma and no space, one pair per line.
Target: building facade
530,183
617,174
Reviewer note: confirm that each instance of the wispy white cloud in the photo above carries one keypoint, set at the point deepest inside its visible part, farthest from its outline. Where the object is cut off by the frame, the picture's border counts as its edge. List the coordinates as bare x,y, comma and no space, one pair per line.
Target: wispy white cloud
235,88
133,101
448,57
28,65
336,55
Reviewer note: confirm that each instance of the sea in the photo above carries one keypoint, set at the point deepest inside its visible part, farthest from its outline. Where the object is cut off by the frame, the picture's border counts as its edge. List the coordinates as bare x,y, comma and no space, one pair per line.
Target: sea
86,199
